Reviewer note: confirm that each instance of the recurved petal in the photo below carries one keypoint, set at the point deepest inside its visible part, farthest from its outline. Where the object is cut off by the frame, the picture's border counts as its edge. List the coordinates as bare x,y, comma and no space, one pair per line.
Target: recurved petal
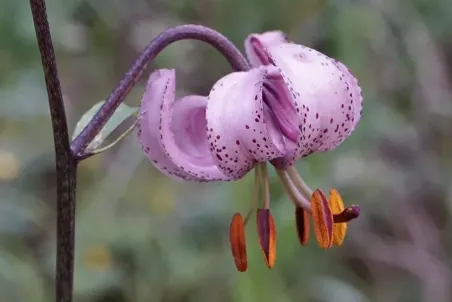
241,130
148,131
173,134
255,45
325,95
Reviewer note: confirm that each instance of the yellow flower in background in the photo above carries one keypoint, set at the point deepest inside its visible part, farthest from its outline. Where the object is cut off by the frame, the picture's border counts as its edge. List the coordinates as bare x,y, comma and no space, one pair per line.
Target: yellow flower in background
97,257
9,166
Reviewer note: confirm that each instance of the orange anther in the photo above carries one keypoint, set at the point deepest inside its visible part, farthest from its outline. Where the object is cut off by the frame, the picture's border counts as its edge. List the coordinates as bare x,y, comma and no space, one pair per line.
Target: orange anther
267,235
303,226
337,206
238,242
323,219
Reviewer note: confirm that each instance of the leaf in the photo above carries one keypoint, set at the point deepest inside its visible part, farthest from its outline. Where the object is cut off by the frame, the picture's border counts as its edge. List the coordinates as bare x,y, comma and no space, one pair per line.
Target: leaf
121,114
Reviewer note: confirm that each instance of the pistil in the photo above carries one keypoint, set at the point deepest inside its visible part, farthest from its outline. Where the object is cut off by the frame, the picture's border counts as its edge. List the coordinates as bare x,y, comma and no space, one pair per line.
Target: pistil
298,199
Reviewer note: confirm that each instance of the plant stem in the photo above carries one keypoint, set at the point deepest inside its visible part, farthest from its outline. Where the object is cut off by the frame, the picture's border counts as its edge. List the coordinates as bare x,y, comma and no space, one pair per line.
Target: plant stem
182,32
66,165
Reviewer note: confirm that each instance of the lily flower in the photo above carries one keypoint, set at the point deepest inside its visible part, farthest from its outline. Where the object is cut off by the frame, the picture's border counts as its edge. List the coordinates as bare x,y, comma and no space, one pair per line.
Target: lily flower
294,102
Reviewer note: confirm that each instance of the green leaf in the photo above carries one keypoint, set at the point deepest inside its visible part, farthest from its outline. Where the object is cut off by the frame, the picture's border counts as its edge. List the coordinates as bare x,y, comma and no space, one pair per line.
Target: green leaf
121,114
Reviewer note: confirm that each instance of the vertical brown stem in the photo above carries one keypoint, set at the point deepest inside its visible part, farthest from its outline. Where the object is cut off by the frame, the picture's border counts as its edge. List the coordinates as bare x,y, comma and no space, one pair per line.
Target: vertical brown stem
66,166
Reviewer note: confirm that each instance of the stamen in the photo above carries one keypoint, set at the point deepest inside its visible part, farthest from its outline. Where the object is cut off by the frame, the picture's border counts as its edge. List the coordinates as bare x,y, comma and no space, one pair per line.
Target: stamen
265,223
238,242
265,186
267,235
340,216
303,225
299,183
323,219
294,195
255,194
337,206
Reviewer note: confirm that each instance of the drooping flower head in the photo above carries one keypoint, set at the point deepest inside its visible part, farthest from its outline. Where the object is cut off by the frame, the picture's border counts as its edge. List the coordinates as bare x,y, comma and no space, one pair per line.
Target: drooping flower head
295,101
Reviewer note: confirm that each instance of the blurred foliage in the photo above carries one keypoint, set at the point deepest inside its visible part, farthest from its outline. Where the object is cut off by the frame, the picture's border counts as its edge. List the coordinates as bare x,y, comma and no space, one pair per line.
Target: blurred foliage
142,237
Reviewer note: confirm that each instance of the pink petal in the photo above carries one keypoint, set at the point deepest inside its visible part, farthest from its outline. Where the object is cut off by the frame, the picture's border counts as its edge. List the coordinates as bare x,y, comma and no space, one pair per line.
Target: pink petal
188,122
241,130
355,89
277,97
148,126
255,45
325,95
173,135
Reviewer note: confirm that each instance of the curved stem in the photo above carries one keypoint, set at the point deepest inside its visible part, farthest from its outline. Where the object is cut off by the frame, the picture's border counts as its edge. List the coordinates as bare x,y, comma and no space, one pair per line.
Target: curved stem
182,32
66,165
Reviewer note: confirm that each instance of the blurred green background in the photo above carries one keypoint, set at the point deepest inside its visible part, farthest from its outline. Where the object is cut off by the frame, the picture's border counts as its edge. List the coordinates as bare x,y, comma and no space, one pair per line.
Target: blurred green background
143,237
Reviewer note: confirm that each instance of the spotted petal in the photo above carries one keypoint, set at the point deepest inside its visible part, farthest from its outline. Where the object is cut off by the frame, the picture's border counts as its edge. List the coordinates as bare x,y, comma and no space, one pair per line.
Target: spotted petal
241,128
255,45
173,134
325,94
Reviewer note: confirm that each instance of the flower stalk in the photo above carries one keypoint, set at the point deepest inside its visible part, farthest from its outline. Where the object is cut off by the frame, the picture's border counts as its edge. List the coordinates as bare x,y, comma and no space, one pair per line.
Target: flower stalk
171,35
66,164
